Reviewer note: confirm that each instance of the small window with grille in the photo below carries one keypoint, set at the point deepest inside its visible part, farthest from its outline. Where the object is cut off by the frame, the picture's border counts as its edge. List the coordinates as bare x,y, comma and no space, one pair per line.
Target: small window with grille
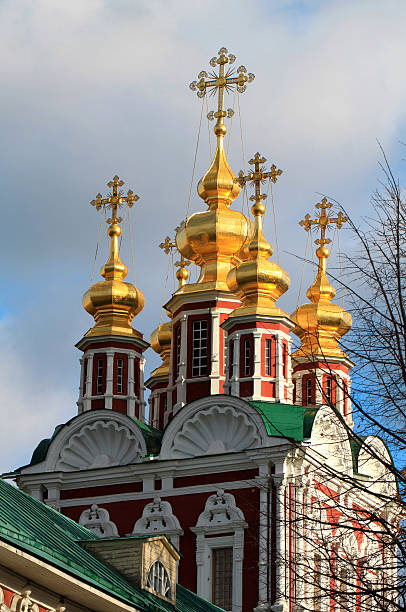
199,355
247,357
120,375
268,356
309,391
329,390
100,372
158,580
222,577
177,351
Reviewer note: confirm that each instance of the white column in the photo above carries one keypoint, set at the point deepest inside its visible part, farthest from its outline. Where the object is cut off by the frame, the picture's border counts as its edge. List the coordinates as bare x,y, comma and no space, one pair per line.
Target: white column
235,384
87,402
319,386
281,599
130,386
108,402
81,385
279,383
181,380
289,382
215,352
54,496
141,403
257,378
263,552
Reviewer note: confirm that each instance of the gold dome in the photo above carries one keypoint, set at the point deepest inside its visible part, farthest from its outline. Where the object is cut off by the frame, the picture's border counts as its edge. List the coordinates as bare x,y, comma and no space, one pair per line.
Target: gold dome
320,324
257,281
113,303
160,341
213,238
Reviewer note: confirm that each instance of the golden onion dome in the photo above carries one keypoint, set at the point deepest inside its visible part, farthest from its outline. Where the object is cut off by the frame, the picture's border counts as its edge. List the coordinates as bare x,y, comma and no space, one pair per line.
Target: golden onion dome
320,324
113,303
211,239
257,281
160,341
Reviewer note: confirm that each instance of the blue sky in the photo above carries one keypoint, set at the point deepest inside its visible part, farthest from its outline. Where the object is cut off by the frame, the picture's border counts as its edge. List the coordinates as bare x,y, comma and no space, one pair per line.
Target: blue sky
91,88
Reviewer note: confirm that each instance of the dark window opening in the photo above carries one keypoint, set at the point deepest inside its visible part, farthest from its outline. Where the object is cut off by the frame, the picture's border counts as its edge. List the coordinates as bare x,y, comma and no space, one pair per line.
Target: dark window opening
222,577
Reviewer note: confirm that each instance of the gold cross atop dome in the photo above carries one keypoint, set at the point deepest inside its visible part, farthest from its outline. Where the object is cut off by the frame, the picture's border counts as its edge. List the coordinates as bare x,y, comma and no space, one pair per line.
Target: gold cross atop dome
323,221
320,324
114,303
257,178
225,80
115,200
168,246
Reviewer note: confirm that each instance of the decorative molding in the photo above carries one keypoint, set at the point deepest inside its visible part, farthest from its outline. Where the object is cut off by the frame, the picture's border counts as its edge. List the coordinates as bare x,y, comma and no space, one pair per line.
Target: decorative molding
98,520
99,444
220,511
158,518
101,438
330,439
213,426
23,603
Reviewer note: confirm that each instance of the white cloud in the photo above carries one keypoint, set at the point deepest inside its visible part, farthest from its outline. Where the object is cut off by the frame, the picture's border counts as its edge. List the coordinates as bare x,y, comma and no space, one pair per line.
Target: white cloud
93,87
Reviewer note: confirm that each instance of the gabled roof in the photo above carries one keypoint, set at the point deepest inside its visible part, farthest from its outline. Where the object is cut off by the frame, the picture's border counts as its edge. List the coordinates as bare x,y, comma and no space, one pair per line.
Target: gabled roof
30,525
287,420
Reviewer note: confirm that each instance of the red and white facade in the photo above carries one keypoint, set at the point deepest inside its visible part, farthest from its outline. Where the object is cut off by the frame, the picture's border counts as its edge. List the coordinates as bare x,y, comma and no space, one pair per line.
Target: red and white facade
214,477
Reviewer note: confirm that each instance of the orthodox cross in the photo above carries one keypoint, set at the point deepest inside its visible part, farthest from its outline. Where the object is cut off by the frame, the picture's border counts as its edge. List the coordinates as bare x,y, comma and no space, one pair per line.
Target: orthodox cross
115,200
225,80
323,221
168,246
258,177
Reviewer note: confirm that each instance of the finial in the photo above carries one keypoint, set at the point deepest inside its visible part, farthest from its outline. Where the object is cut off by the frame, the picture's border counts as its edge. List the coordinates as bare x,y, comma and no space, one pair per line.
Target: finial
257,178
225,80
182,274
115,200
321,290
114,268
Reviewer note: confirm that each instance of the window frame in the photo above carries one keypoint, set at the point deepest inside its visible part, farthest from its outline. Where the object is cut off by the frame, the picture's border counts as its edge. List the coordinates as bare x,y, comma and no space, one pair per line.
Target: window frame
247,357
120,375
99,375
222,602
200,341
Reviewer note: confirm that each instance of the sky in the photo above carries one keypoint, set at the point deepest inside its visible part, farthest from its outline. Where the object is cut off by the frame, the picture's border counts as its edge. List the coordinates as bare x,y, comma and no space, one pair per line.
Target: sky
93,88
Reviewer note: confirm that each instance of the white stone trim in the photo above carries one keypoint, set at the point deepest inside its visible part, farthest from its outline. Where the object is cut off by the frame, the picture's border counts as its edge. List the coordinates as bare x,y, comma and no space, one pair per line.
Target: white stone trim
220,515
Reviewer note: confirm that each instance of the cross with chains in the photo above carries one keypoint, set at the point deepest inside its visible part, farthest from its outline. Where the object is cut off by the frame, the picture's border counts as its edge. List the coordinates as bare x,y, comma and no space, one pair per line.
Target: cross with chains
323,221
115,200
225,80
258,176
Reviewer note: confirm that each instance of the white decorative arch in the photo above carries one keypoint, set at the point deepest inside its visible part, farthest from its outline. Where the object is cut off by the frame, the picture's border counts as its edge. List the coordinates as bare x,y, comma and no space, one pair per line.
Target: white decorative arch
372,459
211,426
98,520
330,439
95,439
158,518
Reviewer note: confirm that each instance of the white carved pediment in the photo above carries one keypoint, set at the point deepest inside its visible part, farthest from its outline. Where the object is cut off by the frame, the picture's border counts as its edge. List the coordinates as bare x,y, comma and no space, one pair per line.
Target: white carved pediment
373,459
158,518
96,439
220,510
330,439
212,426
98,520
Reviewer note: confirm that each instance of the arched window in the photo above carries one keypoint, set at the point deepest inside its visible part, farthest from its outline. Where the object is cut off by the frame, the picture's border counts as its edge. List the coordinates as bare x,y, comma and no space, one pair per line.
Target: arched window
100,373
158,580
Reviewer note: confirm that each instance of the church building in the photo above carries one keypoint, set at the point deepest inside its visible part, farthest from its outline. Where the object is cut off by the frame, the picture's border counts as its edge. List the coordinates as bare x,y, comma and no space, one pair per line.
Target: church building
246,459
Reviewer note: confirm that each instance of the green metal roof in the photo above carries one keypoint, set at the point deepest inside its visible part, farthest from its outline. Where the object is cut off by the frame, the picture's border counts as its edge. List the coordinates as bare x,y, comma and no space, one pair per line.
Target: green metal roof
287,420
30,525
